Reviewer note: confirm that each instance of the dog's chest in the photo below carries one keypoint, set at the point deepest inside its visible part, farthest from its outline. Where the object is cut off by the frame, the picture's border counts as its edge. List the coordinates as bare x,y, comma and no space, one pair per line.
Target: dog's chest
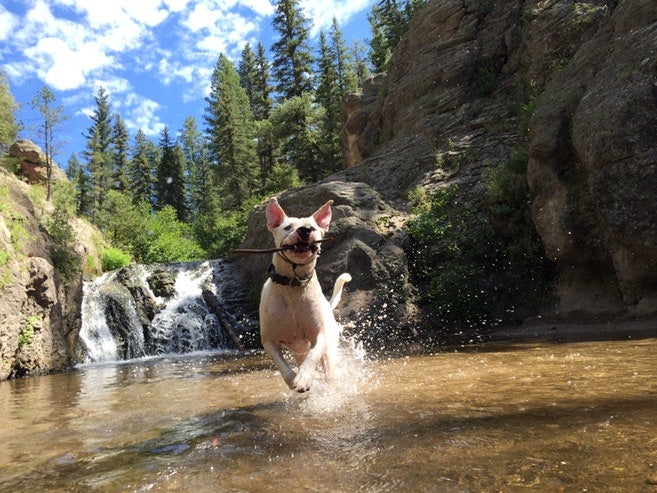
293,313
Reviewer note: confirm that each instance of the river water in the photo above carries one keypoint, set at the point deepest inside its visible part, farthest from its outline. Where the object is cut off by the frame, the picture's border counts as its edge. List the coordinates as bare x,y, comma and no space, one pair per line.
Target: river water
515,417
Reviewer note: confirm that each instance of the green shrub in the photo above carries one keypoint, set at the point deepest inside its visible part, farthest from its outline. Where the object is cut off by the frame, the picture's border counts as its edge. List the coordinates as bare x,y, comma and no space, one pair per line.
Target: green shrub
27,333
476,264
62,252
114,258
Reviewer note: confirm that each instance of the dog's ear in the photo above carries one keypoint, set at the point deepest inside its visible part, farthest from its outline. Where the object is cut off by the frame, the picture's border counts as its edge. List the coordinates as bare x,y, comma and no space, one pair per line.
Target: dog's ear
275,214
323,216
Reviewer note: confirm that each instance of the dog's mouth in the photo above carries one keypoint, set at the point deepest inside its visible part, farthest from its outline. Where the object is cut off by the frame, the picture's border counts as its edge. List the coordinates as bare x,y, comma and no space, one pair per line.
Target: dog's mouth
302,248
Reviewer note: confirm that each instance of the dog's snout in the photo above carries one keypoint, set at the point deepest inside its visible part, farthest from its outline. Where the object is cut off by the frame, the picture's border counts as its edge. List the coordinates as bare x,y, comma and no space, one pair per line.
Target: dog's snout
304,232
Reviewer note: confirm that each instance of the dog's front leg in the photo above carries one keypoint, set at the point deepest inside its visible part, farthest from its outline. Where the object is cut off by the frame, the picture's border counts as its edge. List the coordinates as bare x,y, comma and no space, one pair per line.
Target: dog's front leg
274,351
307,370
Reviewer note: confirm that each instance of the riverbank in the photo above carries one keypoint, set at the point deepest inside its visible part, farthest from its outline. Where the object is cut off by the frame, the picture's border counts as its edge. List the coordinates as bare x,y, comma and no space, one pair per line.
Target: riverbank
565,330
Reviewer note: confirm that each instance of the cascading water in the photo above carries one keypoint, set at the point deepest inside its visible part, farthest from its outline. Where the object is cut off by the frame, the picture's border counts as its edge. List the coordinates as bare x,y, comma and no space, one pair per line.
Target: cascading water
123,318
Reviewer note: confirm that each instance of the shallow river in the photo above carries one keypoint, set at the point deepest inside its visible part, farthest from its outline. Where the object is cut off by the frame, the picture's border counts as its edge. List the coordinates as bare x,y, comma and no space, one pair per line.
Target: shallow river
538,417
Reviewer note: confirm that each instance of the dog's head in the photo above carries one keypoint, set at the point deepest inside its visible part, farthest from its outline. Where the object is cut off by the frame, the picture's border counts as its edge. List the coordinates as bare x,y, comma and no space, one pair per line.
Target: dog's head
298,234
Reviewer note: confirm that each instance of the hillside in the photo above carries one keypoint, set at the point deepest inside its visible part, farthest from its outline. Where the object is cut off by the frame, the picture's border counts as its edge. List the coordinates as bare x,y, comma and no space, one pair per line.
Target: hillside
40,308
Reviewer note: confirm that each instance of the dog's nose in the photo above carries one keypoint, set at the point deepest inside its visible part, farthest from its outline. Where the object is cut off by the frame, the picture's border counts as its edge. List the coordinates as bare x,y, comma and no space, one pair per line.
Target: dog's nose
304,232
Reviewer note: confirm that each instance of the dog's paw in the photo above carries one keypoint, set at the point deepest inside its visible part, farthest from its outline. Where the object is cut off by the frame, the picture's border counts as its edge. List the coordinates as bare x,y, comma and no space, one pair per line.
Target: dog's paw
302,382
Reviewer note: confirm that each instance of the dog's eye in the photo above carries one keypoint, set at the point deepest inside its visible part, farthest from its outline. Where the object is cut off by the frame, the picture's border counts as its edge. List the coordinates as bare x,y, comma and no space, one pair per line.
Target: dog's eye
288,227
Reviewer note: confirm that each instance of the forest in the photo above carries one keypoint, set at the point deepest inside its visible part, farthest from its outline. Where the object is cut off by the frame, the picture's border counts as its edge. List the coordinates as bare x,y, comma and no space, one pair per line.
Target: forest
270,123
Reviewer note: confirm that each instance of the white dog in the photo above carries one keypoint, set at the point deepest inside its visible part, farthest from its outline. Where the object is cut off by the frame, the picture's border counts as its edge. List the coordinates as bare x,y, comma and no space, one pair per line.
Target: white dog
293,310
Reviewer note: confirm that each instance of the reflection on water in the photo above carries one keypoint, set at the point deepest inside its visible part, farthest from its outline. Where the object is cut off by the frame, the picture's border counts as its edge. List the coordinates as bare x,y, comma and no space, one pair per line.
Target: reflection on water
562,417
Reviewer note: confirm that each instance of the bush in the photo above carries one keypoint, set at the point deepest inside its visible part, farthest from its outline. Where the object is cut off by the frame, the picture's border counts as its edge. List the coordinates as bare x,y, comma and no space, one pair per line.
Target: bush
474,265
114,258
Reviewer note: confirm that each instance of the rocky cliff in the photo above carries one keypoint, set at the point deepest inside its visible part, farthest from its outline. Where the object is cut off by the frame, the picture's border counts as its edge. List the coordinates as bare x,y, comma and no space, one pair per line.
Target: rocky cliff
40,311
573,85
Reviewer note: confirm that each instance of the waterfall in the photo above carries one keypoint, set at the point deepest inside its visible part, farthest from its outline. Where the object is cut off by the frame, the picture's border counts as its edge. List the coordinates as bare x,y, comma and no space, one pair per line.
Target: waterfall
141,311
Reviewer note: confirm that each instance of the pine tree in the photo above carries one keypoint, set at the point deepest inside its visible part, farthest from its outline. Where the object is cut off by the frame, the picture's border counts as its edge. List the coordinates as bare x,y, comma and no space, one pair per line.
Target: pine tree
201,193
344,67
247,70
292,55
262,103
121,158
170,177
329,96
361,66
142,169
296,124
98,152
82,186
231,132
53,117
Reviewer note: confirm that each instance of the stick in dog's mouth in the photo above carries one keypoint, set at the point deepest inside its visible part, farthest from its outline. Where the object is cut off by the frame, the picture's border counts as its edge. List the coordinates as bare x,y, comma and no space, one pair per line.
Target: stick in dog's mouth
302,247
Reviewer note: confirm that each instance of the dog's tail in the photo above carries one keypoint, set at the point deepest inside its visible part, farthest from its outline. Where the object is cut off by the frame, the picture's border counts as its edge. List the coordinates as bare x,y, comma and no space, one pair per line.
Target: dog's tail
337,289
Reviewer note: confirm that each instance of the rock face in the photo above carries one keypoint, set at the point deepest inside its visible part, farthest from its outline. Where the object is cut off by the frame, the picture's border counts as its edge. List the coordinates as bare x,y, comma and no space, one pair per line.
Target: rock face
33,161
39,315
460,91
593,166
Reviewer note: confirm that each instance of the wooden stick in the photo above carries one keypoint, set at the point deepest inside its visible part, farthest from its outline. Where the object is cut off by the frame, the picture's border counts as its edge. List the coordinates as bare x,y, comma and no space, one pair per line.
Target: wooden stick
273,250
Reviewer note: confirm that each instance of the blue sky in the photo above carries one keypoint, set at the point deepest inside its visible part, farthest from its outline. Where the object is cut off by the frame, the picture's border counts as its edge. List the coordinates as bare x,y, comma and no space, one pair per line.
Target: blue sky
154,57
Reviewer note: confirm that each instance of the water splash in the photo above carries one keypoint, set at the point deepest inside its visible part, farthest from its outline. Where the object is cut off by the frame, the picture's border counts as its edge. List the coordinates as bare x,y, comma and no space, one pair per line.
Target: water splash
353,376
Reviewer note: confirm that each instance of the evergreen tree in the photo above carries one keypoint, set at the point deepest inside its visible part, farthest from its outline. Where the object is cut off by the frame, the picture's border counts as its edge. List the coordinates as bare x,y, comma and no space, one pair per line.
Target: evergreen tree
201,194
262,105
329,96
82,186
53,117
296,124
262,102
121,157
8,126
170,177
247,70
231,132
360,65
142,169
292,55
98,152
344,67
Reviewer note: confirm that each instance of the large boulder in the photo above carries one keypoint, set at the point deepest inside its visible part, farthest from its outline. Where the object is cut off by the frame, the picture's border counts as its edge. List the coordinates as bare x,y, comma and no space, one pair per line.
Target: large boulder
33,162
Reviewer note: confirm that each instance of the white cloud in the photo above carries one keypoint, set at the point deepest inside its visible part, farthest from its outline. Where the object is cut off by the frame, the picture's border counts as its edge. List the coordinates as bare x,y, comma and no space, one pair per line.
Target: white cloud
141,114
8,22
321,12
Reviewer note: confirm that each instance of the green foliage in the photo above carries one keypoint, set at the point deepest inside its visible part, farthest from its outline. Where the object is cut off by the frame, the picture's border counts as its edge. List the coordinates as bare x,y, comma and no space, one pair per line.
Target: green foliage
8,125
474,265
224,232
63,256
14,221
114,258
27,333
292,57
231,133
171,240
170,177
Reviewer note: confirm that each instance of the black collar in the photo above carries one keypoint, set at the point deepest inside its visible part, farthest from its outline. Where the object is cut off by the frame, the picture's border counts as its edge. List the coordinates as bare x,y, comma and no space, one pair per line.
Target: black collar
288,281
